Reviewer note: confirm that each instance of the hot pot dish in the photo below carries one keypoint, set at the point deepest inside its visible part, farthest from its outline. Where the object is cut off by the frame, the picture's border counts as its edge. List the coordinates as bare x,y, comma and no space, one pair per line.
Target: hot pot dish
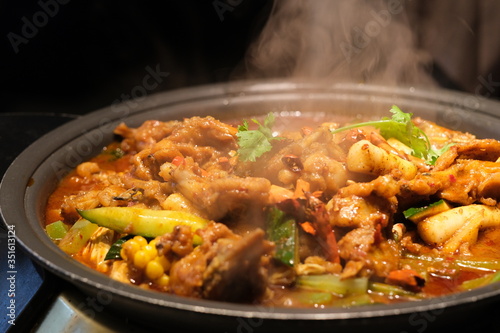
318,213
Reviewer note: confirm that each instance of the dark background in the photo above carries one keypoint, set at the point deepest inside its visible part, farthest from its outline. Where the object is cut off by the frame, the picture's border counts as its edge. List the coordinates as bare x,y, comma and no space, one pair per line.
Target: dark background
70,56
85,54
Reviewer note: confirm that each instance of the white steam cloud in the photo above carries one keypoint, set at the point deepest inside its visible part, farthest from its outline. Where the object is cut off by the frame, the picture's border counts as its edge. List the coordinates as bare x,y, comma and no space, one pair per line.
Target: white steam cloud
360,41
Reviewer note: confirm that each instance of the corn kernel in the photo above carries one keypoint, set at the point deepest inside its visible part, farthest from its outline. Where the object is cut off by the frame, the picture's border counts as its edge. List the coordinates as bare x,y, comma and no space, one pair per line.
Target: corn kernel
141,240
131,247
163,280
154,270
150,251
123,254
153,243
163,262
140,259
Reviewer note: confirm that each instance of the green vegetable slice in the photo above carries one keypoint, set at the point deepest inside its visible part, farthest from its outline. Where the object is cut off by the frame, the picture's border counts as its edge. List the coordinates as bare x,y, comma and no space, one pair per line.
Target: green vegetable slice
417,214
283,231
354,300
426,261
143,222
481,281
314,297
389,289
56,230
77,236
334,284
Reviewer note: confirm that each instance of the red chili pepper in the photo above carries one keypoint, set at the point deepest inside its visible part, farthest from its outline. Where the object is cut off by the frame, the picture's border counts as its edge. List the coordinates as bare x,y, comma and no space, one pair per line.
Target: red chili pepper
308,227
177,160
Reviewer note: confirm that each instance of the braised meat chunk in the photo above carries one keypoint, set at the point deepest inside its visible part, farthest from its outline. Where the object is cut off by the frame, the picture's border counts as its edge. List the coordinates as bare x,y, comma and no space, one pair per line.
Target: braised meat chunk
237,273
225,267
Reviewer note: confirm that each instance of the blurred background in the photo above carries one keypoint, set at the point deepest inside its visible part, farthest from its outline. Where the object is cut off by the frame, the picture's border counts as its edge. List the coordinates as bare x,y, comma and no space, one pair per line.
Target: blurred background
79,56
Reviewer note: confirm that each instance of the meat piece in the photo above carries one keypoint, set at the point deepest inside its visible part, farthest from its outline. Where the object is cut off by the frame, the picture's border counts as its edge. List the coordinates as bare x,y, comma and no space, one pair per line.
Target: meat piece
178,243
464,182
364,204
355,211
218,196
205,140
438,135
206,131
368,209
225,267
82,200
323,172
356,244
321,159
236,273
145,136
93,197
152,192
484,150
371,253
466,173
186,275
186,272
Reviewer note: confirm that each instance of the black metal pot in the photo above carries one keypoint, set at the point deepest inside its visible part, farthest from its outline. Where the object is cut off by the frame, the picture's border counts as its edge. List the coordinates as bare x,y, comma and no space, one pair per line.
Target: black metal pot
34,174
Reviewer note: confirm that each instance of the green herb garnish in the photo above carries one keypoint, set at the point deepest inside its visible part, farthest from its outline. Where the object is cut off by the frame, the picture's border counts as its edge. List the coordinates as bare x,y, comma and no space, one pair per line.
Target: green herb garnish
254,143
116,154
116,247
401,127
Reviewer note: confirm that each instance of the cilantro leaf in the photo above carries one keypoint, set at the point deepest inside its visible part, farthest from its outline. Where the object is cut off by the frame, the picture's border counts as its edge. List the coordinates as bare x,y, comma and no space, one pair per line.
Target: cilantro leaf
254,143
435,153
401,127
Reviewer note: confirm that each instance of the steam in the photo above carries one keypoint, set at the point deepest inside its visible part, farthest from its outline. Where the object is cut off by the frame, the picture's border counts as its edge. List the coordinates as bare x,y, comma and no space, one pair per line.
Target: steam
361,41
